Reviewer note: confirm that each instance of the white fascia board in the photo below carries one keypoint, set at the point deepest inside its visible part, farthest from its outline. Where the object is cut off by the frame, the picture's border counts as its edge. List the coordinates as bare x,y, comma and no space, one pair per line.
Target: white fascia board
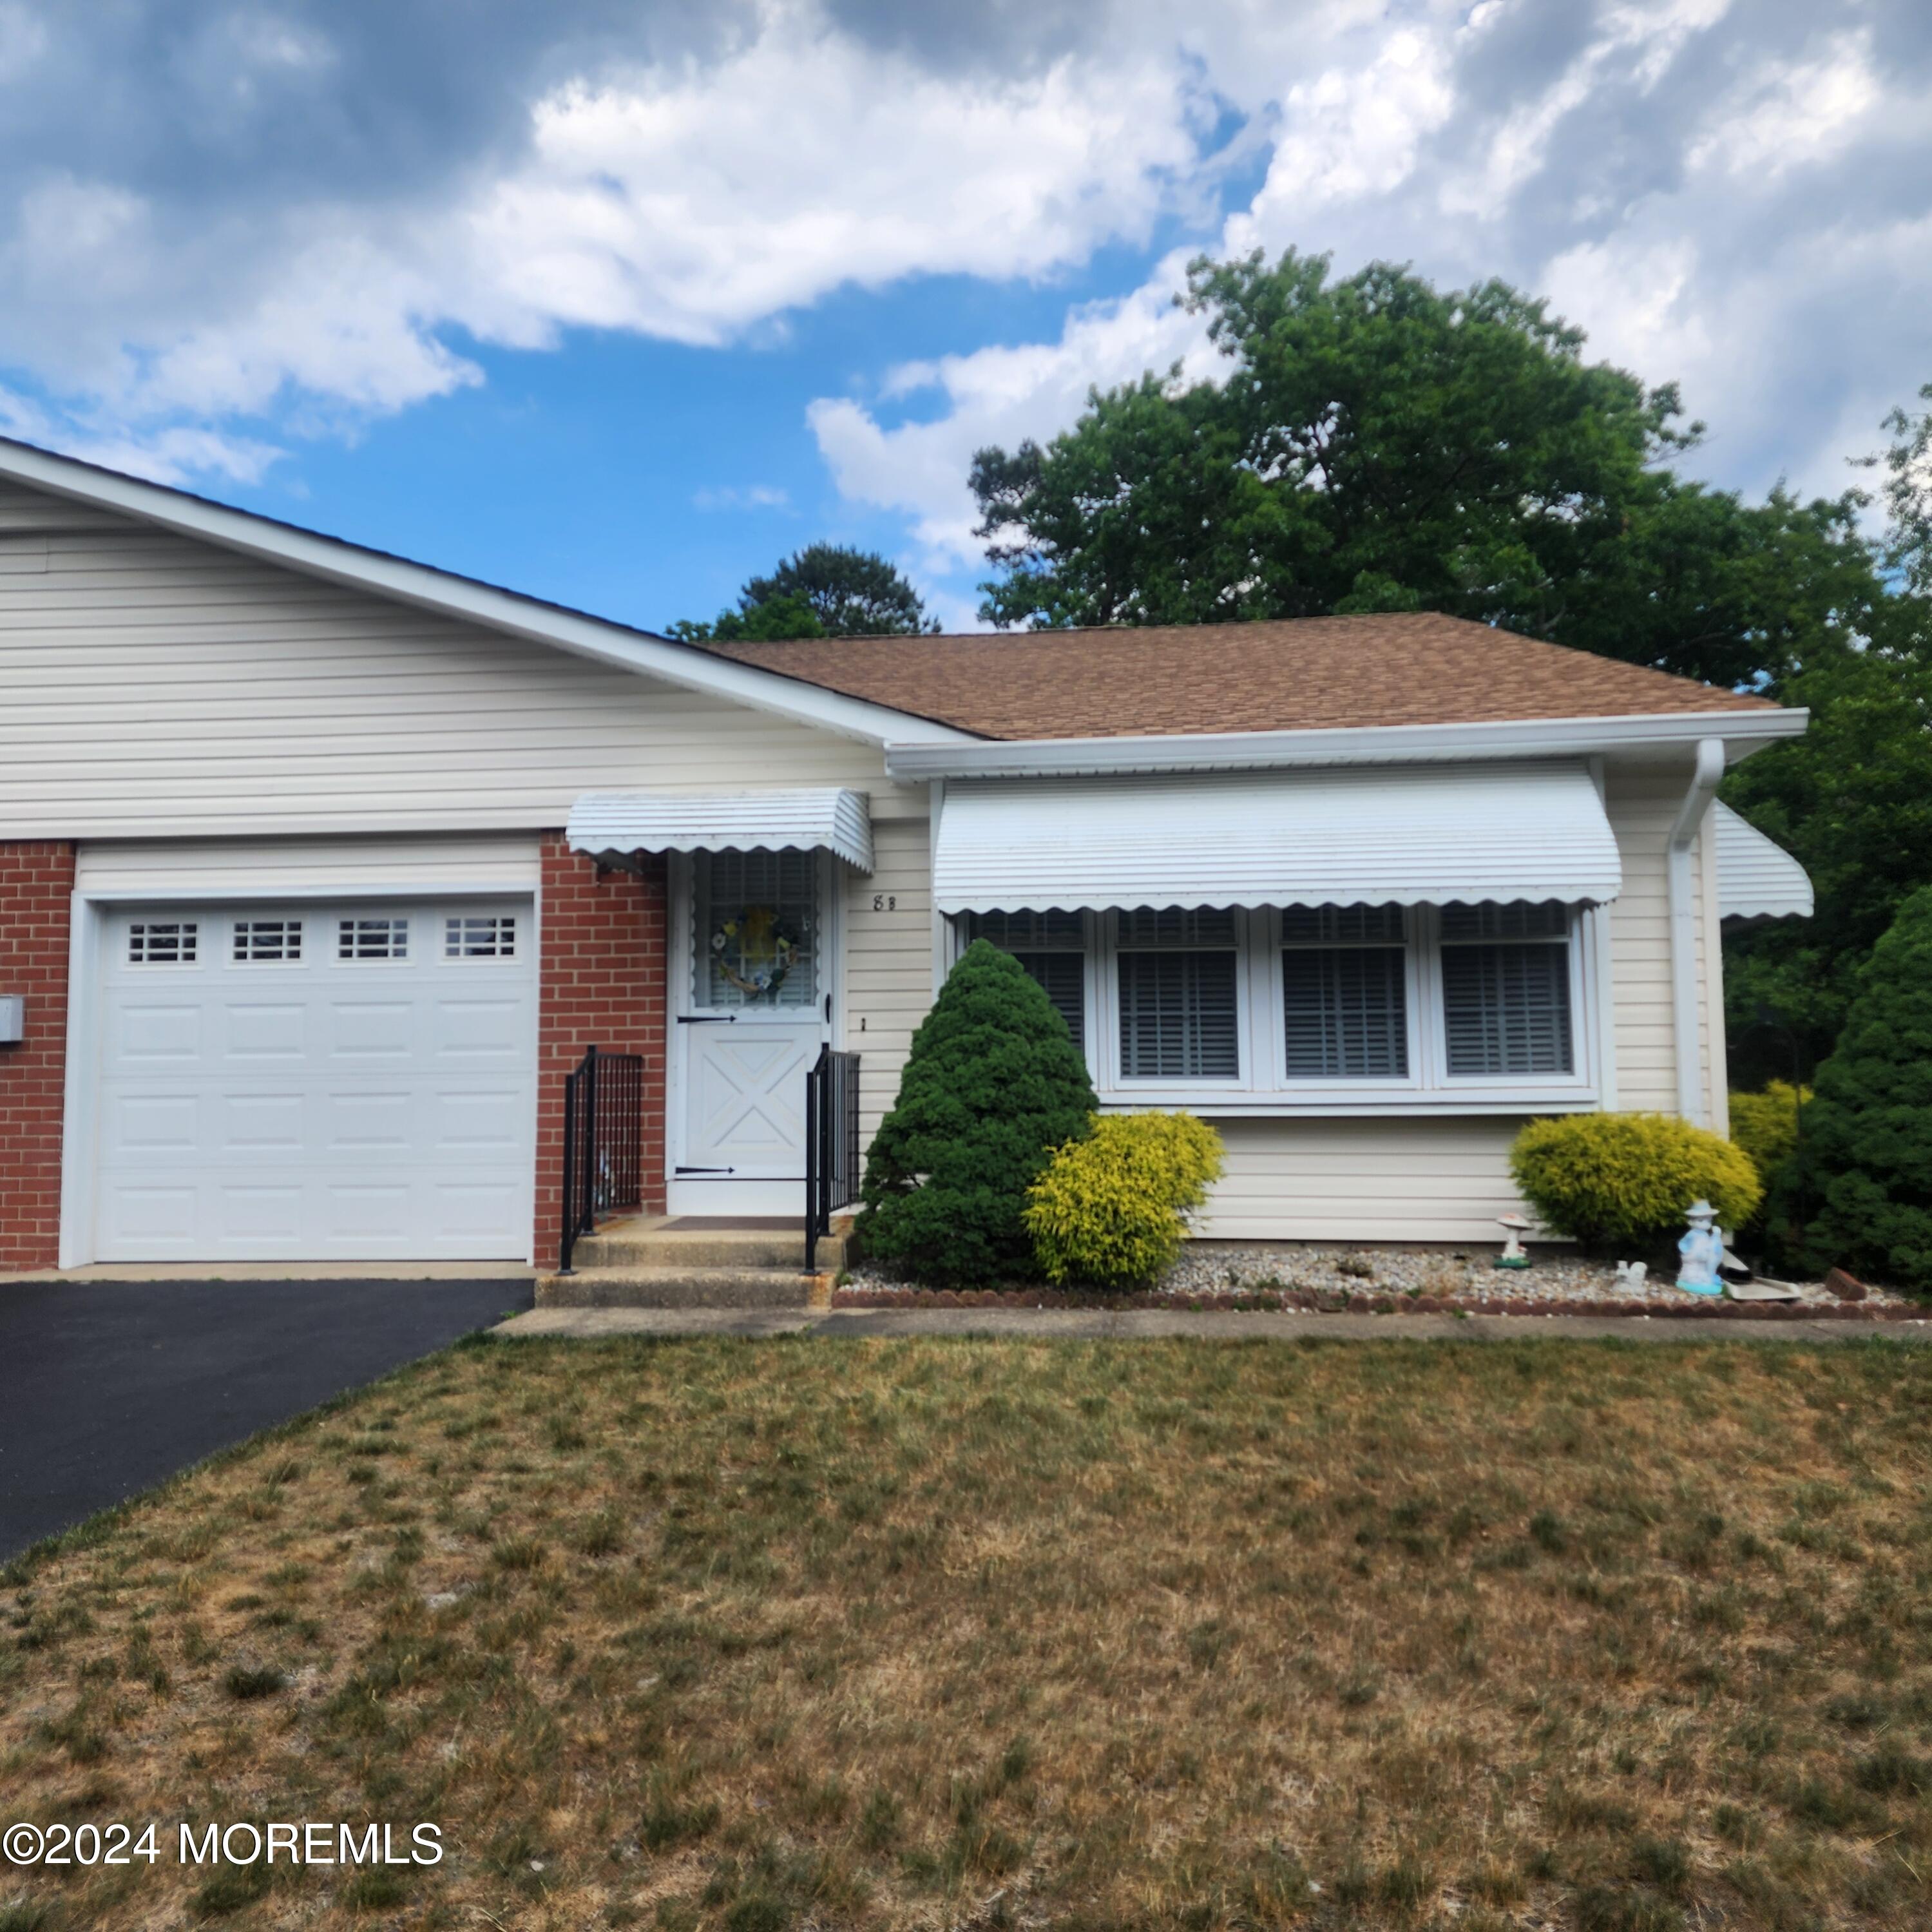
428,589
1743,732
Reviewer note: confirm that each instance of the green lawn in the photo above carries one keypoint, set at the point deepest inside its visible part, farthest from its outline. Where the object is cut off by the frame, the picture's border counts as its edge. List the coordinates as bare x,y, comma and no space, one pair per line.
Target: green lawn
956,1633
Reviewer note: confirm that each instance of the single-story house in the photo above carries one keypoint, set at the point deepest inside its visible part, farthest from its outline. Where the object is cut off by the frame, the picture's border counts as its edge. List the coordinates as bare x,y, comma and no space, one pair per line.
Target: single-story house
320,870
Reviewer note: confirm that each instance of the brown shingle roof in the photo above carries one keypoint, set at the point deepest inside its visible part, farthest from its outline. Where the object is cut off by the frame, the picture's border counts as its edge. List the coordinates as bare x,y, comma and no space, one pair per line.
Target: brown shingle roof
1289,675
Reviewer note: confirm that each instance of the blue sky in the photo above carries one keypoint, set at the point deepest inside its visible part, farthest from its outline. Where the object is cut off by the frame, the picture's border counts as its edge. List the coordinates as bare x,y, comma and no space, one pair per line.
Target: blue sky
618,301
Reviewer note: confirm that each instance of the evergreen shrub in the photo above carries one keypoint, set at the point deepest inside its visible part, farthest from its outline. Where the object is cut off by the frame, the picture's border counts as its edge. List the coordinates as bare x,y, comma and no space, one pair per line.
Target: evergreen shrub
993,1083
1765,1125
1624,1180
1867,1160
1114,1208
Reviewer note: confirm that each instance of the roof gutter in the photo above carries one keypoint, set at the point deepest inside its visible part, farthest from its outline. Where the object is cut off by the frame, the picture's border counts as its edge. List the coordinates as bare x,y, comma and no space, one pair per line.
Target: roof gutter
1686,1034
1743,732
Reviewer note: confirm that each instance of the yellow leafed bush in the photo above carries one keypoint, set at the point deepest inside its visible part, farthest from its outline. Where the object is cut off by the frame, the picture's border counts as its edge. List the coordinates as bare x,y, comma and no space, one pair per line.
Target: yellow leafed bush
1626,1178
1765,1125
1114,1208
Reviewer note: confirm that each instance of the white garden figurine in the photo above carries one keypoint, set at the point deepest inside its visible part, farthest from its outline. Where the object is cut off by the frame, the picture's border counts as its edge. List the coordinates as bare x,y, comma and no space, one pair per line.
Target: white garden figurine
1632,1274
1514,1227
1701,1251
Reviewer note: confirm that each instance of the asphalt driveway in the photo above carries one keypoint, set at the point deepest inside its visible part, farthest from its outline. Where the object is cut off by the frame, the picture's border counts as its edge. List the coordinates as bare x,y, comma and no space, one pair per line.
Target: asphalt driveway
109,1387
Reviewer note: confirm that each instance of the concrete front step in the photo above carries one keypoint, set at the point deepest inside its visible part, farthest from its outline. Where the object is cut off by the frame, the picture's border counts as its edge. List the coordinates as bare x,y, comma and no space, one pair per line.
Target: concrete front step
647,1244
678,1286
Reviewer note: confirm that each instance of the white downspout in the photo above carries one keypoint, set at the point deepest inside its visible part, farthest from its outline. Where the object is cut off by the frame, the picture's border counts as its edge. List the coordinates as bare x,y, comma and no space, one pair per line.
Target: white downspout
1685,1030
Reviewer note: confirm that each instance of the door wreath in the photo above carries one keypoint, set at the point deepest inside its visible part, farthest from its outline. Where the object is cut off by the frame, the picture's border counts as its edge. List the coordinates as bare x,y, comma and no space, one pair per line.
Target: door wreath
755,951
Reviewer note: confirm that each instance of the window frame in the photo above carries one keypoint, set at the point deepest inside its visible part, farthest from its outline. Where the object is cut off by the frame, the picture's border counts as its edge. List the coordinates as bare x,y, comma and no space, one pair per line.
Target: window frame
1158,1091
1263,1088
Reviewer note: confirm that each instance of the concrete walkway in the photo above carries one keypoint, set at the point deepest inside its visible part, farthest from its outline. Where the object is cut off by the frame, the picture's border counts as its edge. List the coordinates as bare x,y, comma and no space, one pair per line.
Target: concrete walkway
597,1324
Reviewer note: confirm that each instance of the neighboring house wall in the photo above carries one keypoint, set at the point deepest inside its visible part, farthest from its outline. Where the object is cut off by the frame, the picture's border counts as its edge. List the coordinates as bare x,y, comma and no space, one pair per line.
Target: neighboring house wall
603,984
159,686
36,899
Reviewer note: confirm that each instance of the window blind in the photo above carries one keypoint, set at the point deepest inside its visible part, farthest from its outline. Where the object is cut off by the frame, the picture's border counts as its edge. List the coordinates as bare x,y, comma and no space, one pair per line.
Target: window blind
1178,1020
1346,1012
1506,1008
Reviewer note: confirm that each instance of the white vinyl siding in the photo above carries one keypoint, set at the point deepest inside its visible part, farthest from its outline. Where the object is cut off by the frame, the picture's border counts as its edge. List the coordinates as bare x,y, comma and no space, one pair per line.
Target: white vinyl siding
153,685
888,962
262,867
1402,1180
1641,801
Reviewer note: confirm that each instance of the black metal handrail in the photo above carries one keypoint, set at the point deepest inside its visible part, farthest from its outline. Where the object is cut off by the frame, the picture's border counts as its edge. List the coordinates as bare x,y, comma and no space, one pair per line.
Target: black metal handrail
831,1145
603,1144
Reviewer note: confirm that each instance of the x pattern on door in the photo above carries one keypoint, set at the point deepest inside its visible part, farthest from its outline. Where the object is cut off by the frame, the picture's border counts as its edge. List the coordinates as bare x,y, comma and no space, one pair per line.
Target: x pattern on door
748,1098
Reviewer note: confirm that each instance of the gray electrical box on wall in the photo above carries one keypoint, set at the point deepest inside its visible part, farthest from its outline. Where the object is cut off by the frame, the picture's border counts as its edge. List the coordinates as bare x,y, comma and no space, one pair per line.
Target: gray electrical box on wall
12,1018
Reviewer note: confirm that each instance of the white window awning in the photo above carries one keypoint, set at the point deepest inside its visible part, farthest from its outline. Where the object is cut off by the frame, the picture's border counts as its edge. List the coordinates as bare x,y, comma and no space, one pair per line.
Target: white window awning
1432,837
1757,878
615,824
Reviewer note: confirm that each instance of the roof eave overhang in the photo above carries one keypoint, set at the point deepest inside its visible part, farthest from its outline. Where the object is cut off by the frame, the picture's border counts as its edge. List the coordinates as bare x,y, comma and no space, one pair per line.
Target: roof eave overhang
1743,732
426,588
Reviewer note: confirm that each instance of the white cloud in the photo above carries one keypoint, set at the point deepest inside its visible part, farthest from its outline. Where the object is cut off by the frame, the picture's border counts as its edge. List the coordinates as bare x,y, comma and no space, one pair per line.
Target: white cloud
1792,114
998,395
1735,196
1688,193
693,202
749,496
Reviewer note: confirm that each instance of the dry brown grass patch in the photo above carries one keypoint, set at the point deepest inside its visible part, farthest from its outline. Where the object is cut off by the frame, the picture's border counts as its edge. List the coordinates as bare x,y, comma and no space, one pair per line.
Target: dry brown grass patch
969,1633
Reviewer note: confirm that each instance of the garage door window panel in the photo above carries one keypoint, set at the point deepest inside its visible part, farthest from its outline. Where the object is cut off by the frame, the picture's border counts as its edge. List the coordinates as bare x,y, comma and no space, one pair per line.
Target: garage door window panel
268,942
359,939
163,942
480,936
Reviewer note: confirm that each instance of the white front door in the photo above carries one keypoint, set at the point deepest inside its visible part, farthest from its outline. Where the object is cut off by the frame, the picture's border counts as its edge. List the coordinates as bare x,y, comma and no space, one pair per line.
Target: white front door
755,1010
316,1081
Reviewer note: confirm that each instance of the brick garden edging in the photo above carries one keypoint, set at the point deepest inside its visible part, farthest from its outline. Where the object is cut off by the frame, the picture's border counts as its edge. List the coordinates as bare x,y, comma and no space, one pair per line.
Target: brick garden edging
1688,1308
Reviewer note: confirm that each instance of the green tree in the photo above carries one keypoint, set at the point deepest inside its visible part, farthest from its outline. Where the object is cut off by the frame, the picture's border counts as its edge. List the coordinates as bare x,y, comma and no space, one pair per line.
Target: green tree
1379,445
852,593
1852,801
1852,798
825,590
1866,1161
768,623
993,1083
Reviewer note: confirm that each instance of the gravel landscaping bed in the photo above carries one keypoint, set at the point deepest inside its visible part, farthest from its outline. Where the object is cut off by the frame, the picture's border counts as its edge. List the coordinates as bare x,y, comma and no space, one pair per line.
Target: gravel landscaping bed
1391,1281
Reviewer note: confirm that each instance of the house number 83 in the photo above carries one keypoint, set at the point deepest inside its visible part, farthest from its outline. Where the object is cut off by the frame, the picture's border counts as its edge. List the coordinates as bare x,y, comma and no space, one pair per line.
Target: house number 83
885,902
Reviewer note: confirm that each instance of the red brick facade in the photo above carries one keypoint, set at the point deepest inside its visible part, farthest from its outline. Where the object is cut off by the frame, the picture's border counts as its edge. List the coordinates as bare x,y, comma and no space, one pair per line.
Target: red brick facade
604,985
36,906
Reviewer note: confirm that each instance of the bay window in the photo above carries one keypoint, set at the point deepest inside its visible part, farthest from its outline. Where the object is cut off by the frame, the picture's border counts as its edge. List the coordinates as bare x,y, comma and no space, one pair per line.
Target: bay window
1484,1007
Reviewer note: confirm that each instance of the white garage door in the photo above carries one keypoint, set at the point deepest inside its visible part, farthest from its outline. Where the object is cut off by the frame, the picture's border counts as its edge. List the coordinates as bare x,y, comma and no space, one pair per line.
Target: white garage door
316,1082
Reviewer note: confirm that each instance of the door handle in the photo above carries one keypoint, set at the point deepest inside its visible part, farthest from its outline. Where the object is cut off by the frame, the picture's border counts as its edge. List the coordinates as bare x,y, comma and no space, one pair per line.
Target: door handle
707,1019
